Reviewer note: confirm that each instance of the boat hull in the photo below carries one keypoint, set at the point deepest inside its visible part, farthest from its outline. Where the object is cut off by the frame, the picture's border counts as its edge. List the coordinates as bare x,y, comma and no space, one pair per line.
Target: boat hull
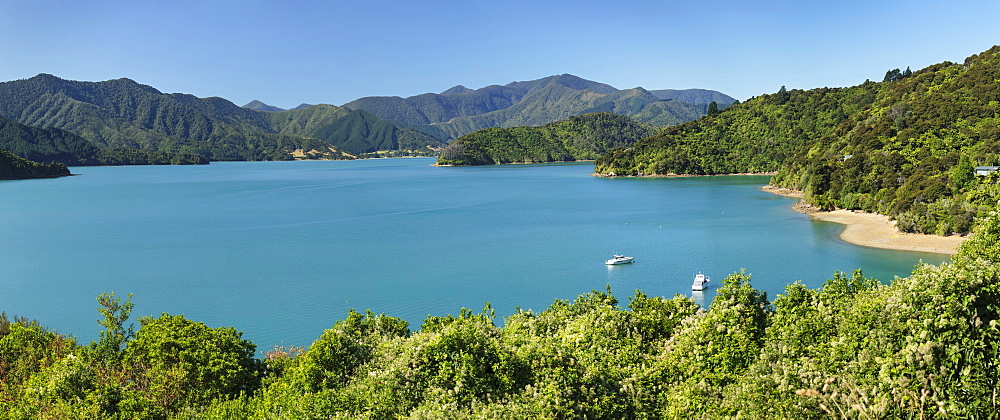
700,283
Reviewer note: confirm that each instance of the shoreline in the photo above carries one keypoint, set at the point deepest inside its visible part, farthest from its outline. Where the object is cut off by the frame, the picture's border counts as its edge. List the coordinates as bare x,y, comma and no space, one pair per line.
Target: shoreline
873,230
673,175
514,163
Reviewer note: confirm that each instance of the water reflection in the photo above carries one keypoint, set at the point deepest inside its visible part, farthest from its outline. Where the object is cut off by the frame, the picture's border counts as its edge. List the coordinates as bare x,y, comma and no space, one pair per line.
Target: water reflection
699,298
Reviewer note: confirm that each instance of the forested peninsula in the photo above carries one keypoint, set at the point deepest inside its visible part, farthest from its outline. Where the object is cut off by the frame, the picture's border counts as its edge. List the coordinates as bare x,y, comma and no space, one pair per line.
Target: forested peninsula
16,167
906,147
582,137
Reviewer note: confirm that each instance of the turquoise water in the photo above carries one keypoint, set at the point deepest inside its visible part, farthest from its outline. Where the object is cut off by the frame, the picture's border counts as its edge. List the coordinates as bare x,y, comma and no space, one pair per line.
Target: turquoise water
281,250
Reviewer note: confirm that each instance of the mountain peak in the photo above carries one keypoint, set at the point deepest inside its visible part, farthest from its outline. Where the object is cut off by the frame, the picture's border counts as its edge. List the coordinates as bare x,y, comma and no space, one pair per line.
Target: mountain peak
44,76
457,89
694,96
579,83
260,106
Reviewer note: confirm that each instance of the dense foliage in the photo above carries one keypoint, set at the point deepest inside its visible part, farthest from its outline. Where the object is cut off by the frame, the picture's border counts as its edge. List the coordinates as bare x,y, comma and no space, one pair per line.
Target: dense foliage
55,145
16,167
752,137
912,153
925,346
353,131
124,114
575,138
459,110
905,147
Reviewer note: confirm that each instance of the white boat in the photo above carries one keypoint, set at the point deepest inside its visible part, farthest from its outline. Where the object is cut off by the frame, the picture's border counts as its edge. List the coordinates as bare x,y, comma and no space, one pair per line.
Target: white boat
700,282
619,259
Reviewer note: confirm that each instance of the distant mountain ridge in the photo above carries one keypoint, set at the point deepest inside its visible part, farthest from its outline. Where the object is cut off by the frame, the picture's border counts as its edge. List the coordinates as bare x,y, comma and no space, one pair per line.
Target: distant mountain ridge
460,110
122,113
695,96
261,106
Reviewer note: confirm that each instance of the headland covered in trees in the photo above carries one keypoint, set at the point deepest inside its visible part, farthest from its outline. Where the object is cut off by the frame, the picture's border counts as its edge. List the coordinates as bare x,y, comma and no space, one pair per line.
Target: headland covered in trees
16,167
906,147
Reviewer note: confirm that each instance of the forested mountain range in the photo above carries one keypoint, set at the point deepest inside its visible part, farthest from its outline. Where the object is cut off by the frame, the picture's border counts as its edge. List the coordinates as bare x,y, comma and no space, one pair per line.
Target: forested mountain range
905,146
575,138
16,167
124,114
460,110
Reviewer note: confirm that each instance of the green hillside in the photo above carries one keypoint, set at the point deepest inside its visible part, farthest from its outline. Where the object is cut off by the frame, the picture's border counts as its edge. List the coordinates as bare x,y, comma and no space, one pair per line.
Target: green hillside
904,147
55,145
912,153
352,131
16,167
556,102
575,138
124,114
459,110
430,108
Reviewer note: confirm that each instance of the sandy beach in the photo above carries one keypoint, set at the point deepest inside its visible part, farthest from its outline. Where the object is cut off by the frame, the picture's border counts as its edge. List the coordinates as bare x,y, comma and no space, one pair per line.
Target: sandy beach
874,230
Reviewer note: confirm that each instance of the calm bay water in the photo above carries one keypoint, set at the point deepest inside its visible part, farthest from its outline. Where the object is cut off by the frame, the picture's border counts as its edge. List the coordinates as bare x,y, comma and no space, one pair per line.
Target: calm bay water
281,250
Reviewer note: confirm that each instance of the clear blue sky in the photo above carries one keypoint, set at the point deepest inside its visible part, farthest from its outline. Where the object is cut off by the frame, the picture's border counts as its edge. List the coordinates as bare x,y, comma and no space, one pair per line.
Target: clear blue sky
289,52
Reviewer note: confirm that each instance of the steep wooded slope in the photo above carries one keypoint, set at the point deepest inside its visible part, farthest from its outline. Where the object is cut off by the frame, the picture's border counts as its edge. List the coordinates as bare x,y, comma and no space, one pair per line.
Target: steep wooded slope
353,131
55,145
905,146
